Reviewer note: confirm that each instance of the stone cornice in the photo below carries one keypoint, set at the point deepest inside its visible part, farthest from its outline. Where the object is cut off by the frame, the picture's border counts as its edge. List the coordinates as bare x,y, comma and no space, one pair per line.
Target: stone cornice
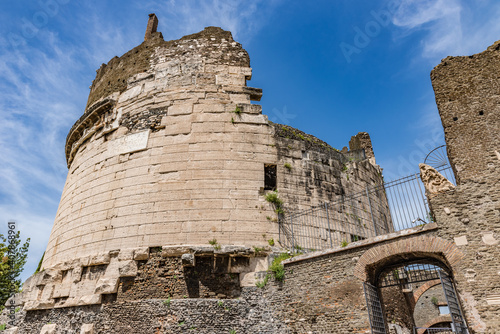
91,121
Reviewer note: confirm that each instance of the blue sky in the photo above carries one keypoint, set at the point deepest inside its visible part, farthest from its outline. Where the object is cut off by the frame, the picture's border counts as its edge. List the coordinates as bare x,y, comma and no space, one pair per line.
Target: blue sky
331,68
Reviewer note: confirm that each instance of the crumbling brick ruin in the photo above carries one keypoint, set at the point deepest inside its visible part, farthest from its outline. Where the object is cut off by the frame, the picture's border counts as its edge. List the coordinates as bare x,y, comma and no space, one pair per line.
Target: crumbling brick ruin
164,227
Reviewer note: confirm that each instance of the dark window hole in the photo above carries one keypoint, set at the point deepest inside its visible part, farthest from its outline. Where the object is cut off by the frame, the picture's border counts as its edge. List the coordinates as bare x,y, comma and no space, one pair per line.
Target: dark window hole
269,177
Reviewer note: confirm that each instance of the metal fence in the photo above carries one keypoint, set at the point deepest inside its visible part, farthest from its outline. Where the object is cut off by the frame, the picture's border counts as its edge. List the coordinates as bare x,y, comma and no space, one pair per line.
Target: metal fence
423,330
378,210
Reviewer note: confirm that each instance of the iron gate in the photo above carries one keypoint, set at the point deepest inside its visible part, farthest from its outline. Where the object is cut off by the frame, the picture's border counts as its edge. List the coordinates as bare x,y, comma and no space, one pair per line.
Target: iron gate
453,304
374,307
404,275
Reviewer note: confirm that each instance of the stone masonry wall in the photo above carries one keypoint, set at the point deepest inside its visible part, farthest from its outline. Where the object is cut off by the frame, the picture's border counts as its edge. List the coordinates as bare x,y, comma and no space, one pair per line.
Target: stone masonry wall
321,293
469,217
466,91
425,309
249,314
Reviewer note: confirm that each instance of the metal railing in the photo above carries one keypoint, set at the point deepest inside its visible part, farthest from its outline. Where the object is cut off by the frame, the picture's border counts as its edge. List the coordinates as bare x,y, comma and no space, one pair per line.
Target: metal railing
378,210
423,330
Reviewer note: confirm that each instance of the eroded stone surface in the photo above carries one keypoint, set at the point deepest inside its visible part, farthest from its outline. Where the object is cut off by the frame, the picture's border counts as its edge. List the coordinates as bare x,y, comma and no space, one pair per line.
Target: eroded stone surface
49,329
433,181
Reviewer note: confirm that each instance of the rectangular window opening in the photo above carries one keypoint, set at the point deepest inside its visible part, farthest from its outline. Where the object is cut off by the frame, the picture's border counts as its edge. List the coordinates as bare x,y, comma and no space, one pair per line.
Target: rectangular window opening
269,177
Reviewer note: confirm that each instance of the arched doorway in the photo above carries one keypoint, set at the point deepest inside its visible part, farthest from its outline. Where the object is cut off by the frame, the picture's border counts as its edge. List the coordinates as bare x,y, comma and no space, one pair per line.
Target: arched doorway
415,296
398,274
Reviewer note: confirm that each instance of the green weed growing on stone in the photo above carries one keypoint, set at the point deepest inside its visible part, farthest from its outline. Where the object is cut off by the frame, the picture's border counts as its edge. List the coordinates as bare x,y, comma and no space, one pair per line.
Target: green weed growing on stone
270,242
215,244
232,331
258,249
277,267
220,303
3,327
263,283
288,166
166,302
395,274
272,197
344,243
237,111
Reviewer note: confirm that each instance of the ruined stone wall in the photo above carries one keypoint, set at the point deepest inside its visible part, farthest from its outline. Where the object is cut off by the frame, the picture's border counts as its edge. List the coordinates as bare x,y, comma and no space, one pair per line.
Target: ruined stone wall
249,314
466,91
468,216
311,172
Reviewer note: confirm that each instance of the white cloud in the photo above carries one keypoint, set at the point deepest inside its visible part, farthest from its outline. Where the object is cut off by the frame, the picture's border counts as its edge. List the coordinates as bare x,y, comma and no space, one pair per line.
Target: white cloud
39,99
450,27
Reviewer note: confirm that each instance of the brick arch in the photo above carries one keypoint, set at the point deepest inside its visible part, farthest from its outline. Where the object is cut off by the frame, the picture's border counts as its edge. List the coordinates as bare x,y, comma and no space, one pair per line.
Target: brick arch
407,248
423,288
436,320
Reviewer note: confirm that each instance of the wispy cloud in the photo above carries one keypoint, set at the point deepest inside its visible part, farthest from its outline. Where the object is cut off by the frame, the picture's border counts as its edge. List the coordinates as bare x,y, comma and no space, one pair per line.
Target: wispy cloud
449,27
40,97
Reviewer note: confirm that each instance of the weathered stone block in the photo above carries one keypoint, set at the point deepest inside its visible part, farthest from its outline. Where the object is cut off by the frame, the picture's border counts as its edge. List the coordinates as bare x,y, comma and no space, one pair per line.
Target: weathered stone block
141,254
128,268
230,79
489,239
180,109
461,241
173,251
130,93
126,254
49,329
107,285
50,276
62,290
102,258
433,181
188,260
210,108
47,292
90,300
87,329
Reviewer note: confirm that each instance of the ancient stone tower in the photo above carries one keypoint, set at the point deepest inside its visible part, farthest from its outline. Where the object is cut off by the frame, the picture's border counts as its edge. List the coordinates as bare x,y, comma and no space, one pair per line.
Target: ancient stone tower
170,151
